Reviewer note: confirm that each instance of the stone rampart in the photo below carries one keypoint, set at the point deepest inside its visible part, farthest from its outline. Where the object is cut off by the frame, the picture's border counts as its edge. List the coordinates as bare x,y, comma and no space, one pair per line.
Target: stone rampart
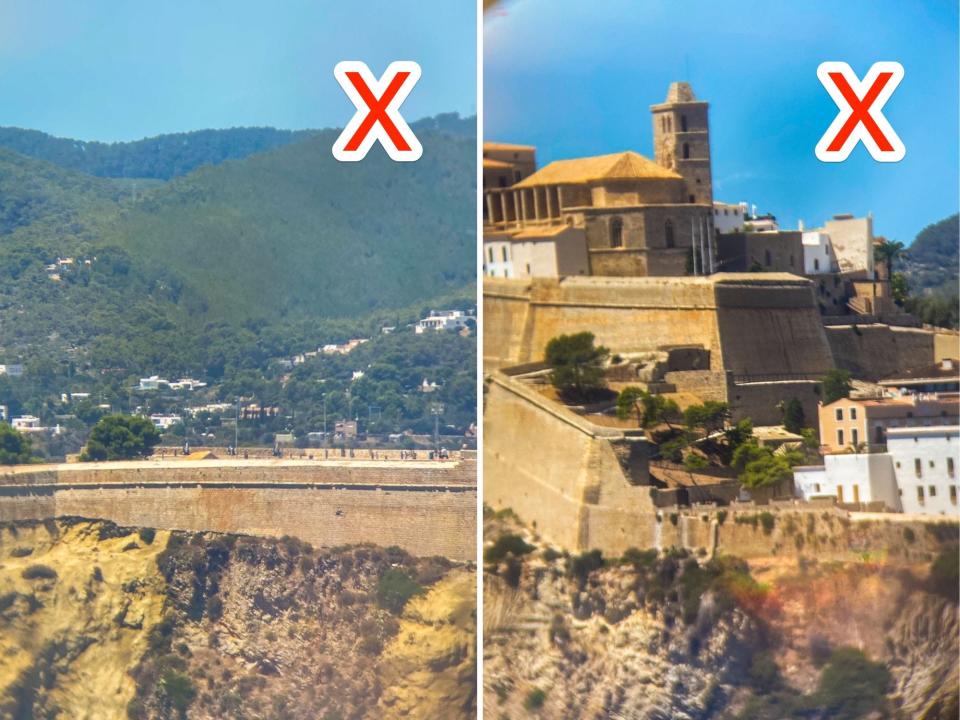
872,352
427,508
583,485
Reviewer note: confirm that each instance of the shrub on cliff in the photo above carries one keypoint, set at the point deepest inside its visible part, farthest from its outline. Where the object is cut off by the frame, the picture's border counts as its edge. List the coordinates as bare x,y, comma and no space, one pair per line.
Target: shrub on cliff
121,437
394,589
39,572
578,367
507,543
944,576
835,385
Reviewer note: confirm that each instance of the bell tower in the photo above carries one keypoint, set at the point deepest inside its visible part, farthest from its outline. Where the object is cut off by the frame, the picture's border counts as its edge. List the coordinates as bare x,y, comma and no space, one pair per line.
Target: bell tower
681,140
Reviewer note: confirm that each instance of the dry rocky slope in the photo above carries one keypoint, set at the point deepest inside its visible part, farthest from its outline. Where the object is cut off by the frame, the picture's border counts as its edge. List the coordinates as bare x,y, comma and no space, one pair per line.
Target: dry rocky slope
680,637
98,621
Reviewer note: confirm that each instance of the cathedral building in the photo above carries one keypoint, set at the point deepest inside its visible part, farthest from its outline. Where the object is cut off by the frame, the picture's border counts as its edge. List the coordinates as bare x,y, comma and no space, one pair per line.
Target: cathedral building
620,214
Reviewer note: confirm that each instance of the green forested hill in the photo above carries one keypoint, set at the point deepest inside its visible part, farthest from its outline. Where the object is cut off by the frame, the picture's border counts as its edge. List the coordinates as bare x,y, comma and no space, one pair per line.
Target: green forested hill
932,259
161,157
294,231
289,233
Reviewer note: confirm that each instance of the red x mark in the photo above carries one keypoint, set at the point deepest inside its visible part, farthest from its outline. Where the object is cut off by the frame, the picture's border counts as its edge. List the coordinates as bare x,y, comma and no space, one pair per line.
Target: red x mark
377,112
861,111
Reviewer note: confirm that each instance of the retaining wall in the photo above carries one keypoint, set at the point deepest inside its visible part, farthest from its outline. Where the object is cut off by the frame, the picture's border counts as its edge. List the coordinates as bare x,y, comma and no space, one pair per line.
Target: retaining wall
425,508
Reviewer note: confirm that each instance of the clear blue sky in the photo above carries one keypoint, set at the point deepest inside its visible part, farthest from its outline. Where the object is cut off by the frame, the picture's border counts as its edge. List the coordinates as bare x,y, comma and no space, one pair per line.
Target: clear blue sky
121,70
577,78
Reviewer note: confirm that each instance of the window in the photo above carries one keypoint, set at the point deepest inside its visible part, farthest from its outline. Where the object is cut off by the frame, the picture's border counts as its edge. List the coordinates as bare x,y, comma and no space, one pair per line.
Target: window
616,233
920,494
839,413
879,435
854,437
766,258
692,200
853,413
931,463
816,487
950,470
791,261
933,491
683,123
816,264
528,268
953,494
686,151
918,467
668,233
503,252
840,438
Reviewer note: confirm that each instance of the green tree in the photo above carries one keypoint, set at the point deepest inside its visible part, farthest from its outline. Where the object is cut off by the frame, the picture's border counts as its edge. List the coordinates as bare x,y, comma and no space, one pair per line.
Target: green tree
120,437
578,366
709,417
793,415
900,288
651,409
835,385
15,447
887,252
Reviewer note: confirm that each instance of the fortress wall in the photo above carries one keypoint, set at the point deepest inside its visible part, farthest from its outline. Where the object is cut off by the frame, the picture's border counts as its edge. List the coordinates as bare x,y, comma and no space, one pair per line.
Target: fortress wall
771,326
625,314
946,345
421,522
425,508
872,352
759,400
558,471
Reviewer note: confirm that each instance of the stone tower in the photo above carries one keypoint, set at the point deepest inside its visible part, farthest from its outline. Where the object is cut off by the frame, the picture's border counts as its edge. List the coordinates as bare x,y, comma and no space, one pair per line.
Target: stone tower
681,140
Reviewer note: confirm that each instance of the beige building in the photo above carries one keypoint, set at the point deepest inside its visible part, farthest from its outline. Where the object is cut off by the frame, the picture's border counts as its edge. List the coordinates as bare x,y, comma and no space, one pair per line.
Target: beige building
848,423
636,216
851,240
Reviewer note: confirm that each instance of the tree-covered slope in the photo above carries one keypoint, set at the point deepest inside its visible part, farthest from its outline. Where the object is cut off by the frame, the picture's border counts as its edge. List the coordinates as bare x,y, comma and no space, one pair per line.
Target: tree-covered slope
293,231
161,157
932,259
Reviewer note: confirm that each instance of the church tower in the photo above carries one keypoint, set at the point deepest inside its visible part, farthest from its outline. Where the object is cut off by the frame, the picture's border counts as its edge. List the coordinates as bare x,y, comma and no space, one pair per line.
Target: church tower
681,140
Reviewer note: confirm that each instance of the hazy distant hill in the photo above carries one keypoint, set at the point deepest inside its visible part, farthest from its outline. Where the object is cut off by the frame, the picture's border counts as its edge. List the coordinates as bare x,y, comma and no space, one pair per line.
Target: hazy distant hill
285,235
161,157
932,260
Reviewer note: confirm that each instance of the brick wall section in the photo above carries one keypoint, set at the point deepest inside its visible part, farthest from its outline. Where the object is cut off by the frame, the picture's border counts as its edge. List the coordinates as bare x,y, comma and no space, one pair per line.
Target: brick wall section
425,508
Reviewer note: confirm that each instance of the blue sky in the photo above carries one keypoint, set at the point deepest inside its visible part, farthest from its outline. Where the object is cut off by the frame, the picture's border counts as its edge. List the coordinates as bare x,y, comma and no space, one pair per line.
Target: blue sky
110,70
577,78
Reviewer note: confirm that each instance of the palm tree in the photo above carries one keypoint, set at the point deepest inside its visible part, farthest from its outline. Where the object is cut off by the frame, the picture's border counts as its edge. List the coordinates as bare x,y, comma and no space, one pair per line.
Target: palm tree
887,252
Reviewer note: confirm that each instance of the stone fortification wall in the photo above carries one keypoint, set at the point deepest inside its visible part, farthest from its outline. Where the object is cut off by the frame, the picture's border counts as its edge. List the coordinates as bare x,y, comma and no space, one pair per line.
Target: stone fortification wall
425,508
872,352
625,314
583,485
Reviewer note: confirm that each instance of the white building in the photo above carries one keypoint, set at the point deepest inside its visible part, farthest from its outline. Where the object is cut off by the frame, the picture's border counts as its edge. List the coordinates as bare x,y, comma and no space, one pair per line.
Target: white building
925,463
443,320
164,422
498,255
26,423
818,253
850,478
728,217
536,251
13,370
917,474
851,240
152,383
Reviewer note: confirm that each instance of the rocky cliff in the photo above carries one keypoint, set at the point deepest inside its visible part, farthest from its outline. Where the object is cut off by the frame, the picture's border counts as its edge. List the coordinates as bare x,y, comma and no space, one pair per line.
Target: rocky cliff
678,636
98,621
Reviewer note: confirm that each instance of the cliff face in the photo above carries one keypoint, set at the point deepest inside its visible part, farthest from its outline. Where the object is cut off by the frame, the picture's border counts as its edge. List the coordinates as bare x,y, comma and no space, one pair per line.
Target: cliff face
166,625
680,637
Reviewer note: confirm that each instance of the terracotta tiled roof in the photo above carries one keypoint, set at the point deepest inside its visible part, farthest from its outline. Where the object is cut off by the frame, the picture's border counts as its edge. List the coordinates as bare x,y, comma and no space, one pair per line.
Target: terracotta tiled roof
619,166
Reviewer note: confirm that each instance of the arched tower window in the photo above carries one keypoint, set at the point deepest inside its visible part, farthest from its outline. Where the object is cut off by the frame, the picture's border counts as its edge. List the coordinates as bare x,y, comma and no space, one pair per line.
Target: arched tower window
686,151
668,234
683,123
616,233
766,258
669,124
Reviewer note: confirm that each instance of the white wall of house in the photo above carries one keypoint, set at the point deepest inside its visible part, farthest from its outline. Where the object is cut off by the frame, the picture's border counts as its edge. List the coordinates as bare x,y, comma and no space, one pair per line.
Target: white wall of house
498,256
850,478
925,461
728,217
817,255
